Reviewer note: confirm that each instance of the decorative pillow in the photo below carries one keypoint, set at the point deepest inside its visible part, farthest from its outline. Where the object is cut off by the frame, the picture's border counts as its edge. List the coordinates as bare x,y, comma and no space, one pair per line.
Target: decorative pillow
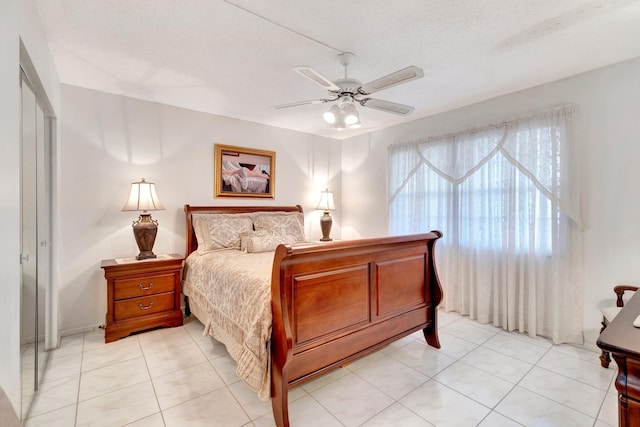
262,241
220,231
281,223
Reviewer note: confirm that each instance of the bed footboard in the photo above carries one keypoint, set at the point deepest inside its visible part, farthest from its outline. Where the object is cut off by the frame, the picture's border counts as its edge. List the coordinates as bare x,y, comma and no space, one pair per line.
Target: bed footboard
333,303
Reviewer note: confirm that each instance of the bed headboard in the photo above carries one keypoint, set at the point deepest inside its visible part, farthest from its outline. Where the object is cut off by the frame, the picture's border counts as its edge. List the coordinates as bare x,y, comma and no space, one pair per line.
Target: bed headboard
192,242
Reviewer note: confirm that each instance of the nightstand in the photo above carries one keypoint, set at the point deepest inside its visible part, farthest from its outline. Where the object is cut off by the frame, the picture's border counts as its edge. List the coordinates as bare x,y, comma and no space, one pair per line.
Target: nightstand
142,294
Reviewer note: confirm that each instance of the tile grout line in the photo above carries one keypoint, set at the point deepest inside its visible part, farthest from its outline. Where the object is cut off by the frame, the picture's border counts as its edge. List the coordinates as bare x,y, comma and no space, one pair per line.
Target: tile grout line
223,382
75,419
153,386
545,397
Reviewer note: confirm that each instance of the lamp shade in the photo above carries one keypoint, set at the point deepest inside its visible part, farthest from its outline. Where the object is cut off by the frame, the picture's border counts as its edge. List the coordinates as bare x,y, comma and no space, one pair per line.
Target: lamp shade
332,115
143,197
326,201
339,123
351,115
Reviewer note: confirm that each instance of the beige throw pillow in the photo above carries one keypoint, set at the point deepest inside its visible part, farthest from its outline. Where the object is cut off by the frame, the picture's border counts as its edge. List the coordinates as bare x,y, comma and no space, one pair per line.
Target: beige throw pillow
220,231
281,224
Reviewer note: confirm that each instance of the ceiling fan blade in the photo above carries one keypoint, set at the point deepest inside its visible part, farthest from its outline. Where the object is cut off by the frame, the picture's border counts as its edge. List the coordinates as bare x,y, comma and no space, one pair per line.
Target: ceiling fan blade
296,104
386,106
401,76
316,77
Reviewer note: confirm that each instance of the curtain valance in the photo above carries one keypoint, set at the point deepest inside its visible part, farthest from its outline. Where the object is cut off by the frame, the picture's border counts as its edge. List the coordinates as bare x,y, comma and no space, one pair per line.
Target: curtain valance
533,144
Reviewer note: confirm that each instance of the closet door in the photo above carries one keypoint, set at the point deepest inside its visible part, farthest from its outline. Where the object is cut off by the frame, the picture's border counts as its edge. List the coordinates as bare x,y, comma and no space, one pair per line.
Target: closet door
43,257
35,248
29,248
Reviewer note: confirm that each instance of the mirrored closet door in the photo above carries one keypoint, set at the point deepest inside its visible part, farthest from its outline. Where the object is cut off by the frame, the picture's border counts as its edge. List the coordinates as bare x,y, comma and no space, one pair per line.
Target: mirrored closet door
35,248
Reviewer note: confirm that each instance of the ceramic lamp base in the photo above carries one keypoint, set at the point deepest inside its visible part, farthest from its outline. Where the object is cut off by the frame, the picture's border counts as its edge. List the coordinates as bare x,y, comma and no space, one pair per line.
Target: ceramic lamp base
145,230
325,224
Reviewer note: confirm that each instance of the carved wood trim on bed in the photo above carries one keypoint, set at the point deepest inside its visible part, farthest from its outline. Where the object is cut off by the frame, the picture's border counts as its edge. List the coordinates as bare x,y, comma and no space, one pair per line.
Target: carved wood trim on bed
335,302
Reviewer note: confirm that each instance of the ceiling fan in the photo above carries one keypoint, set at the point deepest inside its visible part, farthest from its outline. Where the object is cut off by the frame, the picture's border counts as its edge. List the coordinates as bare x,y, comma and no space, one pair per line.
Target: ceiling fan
348,92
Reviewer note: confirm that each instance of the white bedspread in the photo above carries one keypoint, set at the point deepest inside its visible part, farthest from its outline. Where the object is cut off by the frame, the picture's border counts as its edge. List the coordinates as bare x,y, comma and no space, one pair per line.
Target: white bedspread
234,289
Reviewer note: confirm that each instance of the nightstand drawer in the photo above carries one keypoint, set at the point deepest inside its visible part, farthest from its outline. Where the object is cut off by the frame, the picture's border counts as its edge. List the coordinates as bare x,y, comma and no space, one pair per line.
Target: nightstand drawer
143,306
130,288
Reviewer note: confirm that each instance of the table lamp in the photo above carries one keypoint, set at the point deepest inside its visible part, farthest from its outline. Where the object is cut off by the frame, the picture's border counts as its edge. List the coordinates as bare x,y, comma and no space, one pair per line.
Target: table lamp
326,204
143,198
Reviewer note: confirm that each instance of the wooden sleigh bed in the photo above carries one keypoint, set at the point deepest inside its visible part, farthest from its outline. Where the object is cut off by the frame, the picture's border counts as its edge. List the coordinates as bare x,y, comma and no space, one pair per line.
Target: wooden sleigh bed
332,303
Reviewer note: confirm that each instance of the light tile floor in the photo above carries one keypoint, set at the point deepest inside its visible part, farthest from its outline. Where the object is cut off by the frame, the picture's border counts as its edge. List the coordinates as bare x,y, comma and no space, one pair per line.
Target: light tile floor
482,376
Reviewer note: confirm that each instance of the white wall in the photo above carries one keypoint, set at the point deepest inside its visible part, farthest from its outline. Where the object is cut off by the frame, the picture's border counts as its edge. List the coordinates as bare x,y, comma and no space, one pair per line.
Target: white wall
607,129
19,19
108,141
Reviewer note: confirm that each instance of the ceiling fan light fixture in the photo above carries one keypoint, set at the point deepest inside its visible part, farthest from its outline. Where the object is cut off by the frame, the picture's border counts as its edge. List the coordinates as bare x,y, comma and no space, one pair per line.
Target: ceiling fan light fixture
329,117
356,125
340,122
351,114
332,115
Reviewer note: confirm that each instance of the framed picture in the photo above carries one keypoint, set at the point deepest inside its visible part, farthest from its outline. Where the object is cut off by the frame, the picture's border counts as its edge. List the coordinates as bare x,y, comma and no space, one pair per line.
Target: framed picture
243,172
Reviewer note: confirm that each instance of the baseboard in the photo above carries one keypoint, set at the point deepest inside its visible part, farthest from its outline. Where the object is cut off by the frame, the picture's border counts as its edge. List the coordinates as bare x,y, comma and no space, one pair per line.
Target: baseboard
591,336
86,329
81,330
57,343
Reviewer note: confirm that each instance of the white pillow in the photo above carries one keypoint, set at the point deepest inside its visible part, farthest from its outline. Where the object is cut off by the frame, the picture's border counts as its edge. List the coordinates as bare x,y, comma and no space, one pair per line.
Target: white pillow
281,223
220,231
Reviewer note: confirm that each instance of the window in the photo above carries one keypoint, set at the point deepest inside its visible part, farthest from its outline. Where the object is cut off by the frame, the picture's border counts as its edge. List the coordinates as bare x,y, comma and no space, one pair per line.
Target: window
477,208
505,199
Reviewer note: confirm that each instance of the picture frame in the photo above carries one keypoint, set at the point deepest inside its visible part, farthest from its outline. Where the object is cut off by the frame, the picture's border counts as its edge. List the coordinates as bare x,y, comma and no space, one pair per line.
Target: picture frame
243,172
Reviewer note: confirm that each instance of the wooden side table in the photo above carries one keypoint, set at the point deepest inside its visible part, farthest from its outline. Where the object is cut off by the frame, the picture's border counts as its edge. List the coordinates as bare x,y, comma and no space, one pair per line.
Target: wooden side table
622,340
142,294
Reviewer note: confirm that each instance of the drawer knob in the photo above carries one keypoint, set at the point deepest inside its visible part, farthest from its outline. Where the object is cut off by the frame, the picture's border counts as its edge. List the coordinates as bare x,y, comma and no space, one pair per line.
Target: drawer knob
145,288
145,307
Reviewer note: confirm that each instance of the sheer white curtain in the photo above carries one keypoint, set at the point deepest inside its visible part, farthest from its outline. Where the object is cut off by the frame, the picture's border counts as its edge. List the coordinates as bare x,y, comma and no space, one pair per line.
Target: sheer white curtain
507,199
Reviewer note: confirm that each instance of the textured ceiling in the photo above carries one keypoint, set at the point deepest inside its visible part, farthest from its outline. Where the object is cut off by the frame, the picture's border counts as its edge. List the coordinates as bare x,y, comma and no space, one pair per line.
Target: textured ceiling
235,58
